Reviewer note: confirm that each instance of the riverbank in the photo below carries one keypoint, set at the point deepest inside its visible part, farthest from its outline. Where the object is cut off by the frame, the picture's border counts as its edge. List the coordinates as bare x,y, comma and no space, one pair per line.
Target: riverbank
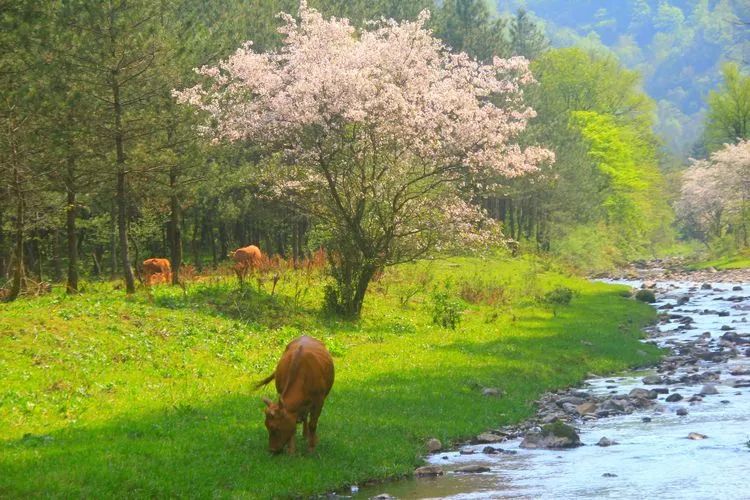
662,270
676,430
151,395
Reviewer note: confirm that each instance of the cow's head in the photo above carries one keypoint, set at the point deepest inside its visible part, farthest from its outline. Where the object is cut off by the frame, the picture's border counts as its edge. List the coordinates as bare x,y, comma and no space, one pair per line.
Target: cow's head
280,423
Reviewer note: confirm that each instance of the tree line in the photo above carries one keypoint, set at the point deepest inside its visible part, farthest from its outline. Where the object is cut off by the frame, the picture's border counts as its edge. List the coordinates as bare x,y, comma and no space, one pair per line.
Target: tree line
101,168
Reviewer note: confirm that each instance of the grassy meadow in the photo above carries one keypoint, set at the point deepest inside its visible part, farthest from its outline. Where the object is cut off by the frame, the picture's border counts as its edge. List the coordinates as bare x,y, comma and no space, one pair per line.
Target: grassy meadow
151,395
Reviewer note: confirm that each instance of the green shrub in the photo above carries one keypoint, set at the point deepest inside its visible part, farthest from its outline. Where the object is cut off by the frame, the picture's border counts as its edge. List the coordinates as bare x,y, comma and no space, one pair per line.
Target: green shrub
560,296
446,310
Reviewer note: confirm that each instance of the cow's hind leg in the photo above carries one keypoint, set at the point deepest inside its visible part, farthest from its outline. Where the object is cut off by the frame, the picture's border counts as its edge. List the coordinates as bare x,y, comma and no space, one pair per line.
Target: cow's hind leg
312,427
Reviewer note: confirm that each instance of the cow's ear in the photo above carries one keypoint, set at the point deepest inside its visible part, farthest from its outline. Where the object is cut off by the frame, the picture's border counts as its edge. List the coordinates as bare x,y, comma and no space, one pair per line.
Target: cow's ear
267,401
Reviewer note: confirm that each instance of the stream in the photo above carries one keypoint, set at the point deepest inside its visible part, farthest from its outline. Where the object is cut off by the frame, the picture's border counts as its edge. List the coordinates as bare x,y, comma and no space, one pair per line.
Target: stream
707,330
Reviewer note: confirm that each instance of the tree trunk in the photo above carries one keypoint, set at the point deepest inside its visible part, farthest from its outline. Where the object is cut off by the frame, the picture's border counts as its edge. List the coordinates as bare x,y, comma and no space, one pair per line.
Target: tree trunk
15,288
3,254
223,243
122,200
174,228
194,245
113,242
56,256
71,211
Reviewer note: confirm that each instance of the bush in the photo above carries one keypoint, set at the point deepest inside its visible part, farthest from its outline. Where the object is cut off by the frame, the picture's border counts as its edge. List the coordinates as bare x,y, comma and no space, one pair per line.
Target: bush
647,296
477,291
560,296
446,310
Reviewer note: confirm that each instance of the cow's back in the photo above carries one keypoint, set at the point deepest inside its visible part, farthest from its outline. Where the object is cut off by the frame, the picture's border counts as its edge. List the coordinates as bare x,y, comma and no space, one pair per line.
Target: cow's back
305,370
249,254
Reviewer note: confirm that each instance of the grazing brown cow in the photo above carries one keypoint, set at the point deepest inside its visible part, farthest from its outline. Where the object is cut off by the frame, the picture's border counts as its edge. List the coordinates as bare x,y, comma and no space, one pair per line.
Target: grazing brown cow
304,377
246,259
156,271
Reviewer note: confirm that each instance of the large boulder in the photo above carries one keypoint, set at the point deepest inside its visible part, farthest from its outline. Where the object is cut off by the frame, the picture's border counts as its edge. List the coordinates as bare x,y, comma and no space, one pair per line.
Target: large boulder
553,436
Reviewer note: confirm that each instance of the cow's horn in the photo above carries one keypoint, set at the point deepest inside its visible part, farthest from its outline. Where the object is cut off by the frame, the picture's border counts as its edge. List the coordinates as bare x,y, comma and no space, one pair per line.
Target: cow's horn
267,401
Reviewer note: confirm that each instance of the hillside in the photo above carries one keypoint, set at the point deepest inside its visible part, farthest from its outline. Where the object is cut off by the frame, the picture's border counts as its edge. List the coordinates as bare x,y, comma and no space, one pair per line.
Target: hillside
678,46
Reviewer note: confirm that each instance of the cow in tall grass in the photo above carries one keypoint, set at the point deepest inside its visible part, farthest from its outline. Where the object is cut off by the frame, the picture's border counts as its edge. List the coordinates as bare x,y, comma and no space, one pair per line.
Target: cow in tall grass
156,271
246,259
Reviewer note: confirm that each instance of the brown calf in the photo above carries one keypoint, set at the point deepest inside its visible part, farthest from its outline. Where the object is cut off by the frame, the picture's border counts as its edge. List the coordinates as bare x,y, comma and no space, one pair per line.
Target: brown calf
156,271
304,377
246,259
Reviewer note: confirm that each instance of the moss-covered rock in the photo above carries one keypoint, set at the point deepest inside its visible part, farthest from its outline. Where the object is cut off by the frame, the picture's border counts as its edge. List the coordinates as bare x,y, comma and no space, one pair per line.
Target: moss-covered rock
647,296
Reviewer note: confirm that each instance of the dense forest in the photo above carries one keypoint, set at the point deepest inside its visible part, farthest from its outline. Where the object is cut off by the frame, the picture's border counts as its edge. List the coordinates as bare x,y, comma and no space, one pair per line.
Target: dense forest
102,167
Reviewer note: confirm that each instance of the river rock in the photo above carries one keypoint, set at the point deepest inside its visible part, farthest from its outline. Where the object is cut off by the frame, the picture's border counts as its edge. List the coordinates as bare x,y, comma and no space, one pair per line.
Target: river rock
488,438
696,436
428,470
473,469
586,408
640,393
434,445
552,436
740,371
681,412
708,389
609,474
706,286
674,397
383,496
604,442
653,380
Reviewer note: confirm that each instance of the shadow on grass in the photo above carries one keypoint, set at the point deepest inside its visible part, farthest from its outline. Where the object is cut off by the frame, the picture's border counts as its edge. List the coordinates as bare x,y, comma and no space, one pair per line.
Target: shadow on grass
371,427
219,450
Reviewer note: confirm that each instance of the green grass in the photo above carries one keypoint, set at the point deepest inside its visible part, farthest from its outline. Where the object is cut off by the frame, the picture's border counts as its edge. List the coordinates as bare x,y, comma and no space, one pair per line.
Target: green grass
737,261
151,396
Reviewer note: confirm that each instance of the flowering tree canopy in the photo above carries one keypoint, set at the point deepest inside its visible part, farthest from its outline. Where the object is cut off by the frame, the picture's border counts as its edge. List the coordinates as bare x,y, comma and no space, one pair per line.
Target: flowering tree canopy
383,134
715,196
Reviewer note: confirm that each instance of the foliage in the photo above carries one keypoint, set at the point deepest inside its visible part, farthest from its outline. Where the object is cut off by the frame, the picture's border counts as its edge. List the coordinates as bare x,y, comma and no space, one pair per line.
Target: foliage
603,202
160,388
560,296
728,117
382,133
715,197
446,310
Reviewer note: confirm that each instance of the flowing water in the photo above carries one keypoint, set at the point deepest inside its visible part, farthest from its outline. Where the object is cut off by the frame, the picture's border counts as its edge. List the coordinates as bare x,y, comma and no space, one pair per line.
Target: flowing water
652,459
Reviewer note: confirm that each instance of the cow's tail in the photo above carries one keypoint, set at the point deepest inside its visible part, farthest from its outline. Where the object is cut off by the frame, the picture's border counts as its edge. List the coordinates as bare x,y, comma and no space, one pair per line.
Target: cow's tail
265,380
